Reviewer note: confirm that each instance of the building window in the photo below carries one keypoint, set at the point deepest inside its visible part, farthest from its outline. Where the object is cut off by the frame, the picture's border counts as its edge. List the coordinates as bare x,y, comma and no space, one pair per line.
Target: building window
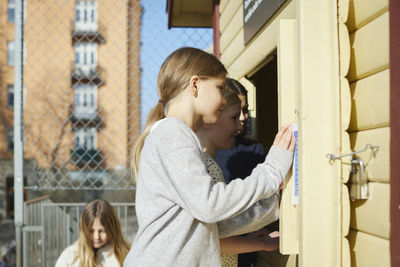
10,139
10,96
11,11
86,138
10,53
85,101
86,56
86,16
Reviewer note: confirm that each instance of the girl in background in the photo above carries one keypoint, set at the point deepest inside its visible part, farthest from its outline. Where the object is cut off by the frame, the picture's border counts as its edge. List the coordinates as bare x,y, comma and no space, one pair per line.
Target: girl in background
100,242
222,136
177,204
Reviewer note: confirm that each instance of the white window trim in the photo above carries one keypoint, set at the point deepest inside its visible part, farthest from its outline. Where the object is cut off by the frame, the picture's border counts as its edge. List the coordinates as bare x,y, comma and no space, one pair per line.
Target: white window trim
90,24
83,50
90,109
84,134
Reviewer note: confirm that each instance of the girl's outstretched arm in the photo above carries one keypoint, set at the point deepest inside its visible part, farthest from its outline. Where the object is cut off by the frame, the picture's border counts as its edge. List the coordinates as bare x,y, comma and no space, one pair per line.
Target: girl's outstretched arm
262,213
261,240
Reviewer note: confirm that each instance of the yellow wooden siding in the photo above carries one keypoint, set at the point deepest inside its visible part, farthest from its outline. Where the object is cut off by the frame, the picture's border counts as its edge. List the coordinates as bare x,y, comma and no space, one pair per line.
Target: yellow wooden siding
370,48
362,12
346,259
378,168
345,210
229,10
368,250
222,5
345,114
232,52
372,215
368,23
345,161
344,49
241,60
370,102
345,106
232,30
287,103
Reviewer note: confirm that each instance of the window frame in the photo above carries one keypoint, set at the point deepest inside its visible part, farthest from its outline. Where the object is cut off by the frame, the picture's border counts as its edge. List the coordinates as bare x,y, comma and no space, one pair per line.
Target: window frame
10,99
10,139
86,138
86,56
11,8
86,16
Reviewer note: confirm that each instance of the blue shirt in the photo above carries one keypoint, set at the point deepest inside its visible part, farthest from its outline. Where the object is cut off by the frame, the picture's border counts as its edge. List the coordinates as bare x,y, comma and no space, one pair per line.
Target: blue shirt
241,159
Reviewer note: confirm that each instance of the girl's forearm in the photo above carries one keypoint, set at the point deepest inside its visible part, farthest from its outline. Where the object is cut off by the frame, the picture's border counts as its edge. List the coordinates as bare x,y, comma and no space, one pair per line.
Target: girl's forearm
240,244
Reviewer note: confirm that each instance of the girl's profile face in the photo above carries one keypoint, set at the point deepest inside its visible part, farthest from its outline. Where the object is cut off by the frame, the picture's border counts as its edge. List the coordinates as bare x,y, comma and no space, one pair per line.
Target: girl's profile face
209,99
244,114
98,235
227,127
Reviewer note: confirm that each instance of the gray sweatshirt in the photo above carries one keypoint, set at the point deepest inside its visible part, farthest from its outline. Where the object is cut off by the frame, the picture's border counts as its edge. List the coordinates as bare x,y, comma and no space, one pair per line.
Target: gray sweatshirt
177,204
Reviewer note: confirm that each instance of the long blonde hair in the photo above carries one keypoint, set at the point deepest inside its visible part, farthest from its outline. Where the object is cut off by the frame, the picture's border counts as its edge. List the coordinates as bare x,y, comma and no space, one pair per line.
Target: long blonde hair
173,77
108,218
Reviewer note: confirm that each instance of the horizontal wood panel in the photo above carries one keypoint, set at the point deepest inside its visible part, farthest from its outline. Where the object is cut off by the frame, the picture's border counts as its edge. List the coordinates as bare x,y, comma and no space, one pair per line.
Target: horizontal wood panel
240,61
345,103
370,102
345,148
368,251
343,10
373,215
378,168
232,51
232,30
222,5
345,210
362,12
369,48
344,49
232,6
346,259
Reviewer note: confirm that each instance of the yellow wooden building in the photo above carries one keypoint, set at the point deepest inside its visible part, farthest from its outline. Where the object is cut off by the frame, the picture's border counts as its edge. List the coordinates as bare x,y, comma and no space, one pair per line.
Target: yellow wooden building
330,66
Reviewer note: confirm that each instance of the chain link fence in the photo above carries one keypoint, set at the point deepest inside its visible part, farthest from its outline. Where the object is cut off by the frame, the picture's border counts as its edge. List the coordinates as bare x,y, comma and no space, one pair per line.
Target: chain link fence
89,79
89,71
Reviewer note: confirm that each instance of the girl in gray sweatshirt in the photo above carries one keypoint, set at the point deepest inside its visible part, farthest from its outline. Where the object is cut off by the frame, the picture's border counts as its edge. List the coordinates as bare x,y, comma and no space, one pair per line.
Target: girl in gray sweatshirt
177,204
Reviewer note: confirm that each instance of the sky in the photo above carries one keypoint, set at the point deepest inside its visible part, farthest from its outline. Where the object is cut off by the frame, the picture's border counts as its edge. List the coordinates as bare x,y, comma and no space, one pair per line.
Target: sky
157,42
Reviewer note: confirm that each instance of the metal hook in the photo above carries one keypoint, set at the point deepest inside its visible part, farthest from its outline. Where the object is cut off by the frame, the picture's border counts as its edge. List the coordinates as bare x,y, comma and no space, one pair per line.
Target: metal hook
374,149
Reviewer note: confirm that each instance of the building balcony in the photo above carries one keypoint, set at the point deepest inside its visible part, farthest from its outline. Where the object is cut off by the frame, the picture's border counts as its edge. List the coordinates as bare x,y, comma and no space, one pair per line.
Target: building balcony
87,33
82,113
82,75
82,157
86,119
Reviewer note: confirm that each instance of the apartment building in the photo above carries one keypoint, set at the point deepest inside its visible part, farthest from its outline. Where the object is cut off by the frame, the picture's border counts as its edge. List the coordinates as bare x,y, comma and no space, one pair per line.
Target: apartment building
81,93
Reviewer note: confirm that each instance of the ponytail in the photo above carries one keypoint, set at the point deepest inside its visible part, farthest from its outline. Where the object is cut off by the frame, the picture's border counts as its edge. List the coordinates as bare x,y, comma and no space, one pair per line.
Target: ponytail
173,78
155,114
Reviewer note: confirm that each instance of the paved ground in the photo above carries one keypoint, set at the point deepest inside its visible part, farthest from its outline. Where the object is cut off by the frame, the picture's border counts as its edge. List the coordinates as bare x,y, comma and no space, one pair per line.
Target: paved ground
7,232
7,239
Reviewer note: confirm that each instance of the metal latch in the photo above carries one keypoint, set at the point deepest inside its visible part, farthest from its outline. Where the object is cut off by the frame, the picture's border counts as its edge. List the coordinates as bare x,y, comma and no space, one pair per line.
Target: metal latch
358,181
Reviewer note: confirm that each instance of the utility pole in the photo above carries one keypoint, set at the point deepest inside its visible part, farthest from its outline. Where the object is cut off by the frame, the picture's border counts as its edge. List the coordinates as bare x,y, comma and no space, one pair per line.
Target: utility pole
18,135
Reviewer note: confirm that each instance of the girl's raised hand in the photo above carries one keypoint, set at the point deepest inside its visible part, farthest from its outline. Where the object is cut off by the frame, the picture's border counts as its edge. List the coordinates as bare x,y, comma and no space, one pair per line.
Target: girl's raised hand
285,138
